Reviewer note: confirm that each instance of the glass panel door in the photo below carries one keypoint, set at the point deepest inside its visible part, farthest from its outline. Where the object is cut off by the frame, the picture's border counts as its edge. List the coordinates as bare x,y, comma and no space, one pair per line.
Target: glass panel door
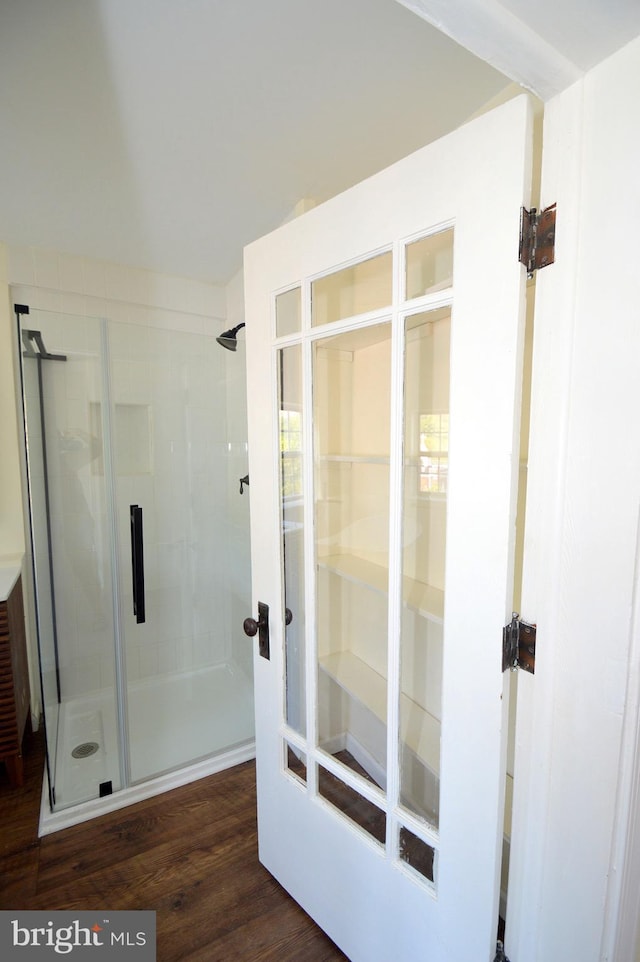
66,420
352,384
380,804
291,473
424,524
188,668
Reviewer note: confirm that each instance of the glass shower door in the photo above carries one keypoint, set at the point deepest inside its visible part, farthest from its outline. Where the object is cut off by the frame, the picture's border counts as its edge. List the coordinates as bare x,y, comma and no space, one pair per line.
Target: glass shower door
178,465
66,420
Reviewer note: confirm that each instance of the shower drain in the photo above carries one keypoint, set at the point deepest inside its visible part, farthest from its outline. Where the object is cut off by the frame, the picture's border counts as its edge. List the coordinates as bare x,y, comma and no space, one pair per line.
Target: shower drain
85,749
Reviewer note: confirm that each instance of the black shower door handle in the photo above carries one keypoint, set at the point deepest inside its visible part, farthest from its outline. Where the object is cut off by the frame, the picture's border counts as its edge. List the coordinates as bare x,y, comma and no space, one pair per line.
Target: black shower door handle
137,562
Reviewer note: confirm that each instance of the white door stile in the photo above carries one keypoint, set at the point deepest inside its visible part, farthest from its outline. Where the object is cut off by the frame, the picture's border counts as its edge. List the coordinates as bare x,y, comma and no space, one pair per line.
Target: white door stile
311,682
395,556
374,909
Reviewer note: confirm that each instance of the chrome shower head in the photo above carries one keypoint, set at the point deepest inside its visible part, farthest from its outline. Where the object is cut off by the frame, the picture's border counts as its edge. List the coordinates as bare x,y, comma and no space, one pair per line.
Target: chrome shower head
228,339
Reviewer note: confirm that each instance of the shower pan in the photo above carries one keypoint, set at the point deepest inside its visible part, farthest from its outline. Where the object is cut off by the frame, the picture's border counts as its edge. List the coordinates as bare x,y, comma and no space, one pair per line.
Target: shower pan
135,438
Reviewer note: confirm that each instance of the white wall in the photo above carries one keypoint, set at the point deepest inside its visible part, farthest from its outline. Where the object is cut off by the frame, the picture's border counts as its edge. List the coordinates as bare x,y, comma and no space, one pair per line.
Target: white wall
581,549
54,281
11,526
12,532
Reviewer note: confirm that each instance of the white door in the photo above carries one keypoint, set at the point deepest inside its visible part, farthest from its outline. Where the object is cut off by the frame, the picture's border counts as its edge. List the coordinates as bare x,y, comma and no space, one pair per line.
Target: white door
384,351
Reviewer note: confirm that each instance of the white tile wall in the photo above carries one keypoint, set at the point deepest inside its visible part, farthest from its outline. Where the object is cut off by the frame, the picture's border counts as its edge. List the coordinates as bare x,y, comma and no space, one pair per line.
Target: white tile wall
71,273
50,280
47,270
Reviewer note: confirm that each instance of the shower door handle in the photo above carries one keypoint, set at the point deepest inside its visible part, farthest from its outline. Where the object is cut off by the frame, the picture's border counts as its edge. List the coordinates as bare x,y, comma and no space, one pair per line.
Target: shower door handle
137,562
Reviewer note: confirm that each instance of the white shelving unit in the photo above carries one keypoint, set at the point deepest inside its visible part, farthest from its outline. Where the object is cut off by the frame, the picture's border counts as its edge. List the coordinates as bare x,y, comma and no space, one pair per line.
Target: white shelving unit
420,730
425,600
352,419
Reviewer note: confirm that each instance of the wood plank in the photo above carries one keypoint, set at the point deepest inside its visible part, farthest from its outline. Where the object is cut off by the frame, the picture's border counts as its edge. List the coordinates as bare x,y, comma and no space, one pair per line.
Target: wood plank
175,816
20,805
190,855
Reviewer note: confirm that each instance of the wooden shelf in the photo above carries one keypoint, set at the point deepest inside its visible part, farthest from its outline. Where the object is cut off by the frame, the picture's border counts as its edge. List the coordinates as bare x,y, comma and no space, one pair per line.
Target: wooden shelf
419,597
420,730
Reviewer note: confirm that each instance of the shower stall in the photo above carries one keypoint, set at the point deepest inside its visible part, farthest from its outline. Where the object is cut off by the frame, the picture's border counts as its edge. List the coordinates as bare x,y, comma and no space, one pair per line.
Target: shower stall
135,442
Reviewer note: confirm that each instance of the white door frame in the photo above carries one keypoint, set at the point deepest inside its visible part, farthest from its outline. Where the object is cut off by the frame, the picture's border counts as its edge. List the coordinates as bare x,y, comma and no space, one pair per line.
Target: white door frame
576,742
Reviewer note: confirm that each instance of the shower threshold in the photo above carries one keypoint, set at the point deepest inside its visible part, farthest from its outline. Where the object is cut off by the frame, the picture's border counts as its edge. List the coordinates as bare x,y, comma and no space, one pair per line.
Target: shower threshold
165,714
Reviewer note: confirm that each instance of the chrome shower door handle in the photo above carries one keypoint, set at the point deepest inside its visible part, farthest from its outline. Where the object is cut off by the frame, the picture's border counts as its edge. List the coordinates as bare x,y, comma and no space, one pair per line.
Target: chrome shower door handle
137,562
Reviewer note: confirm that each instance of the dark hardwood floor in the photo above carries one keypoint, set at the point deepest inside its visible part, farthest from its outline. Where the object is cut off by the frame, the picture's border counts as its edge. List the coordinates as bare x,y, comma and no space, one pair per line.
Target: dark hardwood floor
190,854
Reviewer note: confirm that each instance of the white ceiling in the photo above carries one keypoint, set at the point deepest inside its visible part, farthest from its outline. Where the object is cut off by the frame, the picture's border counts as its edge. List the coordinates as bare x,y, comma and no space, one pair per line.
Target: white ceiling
168,133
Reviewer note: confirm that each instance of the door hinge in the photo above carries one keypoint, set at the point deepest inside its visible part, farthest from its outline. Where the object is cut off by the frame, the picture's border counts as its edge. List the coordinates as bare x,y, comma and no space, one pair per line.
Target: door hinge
519,645
537,238
500,956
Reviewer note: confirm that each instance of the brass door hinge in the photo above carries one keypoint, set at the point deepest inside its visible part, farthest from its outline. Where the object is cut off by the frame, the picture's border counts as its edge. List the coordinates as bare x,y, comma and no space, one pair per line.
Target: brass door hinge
519,645
537,238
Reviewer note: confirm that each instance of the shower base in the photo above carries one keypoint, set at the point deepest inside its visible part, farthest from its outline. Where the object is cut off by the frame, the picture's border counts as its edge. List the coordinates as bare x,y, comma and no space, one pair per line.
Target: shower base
209,710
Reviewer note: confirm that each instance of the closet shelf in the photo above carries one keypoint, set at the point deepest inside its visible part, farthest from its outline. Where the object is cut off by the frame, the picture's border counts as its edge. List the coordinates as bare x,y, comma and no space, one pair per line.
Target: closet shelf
420,730
416,595
356,458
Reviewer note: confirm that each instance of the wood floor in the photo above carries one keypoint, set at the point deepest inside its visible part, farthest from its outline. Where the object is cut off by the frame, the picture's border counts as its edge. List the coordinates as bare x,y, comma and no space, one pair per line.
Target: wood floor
190,854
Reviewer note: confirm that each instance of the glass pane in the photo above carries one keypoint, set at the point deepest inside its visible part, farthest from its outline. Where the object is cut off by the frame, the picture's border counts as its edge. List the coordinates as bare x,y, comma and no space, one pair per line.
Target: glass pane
429,264
288,312
63,389
416,853
351,414
291,453
296,762
349,761
179,453
360,810
366,286
426,445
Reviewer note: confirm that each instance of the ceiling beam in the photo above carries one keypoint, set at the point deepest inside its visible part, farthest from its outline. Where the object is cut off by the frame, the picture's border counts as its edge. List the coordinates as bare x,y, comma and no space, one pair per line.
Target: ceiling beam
497,36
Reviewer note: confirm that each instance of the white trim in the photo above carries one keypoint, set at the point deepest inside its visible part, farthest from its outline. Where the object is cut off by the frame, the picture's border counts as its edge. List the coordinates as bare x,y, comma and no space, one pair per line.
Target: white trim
501,39
550,414
577,772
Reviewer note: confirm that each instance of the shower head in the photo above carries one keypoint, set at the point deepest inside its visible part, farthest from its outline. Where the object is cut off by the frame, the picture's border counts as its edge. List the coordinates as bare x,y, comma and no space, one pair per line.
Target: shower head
229,338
